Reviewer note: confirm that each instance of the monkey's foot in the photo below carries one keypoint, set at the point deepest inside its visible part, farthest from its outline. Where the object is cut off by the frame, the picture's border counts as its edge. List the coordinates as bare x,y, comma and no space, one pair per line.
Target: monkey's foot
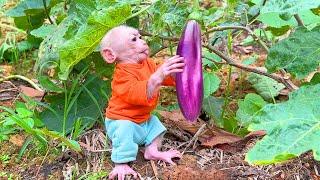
121,170
166,156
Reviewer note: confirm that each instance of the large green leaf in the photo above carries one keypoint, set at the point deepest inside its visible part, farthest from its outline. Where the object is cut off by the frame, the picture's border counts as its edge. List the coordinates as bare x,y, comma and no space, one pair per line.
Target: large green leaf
213,107
210,83
168,15
86,40
298,54
293,127
29,14
248,106
274,20
48,56
288,6
84,108
266,87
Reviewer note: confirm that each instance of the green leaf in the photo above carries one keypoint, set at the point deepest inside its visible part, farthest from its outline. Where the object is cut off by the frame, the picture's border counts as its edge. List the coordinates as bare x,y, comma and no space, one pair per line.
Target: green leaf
29,14
48,84
83,107
29,122
48,56
211,83
288,6
69,142
249,61
278,31
9,121
248,106
259,32
86,40
213,107
274,20
298,54
265,86
293,127
24,46
43,31
314,81
100,64
24,112
212,65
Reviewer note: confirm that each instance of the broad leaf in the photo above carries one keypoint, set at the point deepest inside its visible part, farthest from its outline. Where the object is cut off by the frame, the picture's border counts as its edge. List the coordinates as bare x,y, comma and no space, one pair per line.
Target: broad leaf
87,39
266,87
48,84
274,20
43,31
211,83
48,56
288,6
29,14
293,127
213,107
84,107
248,106
298,54
314,81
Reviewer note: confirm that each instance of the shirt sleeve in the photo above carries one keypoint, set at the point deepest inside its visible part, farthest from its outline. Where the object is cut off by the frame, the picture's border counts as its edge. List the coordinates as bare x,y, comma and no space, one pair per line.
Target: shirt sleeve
132,91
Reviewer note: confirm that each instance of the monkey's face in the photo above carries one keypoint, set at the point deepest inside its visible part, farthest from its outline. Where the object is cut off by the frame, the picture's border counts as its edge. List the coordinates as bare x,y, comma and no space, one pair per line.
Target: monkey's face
131,48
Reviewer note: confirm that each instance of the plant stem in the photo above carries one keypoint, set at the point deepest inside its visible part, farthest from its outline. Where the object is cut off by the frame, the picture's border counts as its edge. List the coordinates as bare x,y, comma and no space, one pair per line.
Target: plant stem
23,78
144,33
226,102
251,33
46,10
141,11
229,60
298,19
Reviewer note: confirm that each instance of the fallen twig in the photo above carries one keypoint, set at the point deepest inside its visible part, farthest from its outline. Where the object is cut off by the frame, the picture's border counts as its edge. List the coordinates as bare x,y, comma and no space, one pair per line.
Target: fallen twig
198,133
154,168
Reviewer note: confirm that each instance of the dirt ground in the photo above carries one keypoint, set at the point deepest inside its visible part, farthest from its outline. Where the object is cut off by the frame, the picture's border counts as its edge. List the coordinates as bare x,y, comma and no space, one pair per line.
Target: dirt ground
198,163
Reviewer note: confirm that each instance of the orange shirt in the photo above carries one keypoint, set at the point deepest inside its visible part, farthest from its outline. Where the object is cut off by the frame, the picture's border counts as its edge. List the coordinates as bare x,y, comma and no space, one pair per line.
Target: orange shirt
129,92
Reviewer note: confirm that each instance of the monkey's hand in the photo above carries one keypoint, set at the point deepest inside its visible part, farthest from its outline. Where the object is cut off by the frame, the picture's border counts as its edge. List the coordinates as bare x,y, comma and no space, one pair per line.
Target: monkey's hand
122,170
172,66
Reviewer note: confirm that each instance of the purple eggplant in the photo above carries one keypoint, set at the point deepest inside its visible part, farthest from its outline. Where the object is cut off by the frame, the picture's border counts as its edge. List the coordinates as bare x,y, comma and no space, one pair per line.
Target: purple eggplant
189,83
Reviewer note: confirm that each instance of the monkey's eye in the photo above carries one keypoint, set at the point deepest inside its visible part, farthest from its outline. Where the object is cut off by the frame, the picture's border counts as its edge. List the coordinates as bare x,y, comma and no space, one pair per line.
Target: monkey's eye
140,37
134,39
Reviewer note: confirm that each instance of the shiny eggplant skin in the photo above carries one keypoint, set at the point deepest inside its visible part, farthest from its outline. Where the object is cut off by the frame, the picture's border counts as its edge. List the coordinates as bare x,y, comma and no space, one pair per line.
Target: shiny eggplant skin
189,83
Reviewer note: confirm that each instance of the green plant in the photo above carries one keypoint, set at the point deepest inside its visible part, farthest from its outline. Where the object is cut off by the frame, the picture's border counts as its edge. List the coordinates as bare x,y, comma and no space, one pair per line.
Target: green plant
5,158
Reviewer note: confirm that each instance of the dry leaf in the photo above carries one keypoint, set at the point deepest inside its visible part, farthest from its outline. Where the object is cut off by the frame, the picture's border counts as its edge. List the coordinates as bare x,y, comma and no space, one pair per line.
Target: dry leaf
209,138
32,93
16,140
6,70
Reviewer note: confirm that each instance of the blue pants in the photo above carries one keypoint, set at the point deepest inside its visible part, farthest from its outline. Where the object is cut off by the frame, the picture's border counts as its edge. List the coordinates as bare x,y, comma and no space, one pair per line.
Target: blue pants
126,136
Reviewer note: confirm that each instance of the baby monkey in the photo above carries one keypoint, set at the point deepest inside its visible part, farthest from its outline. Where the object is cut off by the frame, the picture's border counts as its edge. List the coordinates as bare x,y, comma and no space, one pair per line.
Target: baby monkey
135,91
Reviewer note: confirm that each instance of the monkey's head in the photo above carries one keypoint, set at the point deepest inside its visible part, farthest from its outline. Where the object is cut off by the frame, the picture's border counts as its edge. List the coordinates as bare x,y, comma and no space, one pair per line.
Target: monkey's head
124,44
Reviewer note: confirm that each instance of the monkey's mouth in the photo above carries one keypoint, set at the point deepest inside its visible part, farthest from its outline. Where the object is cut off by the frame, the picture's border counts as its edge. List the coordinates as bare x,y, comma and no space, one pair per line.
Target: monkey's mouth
146,52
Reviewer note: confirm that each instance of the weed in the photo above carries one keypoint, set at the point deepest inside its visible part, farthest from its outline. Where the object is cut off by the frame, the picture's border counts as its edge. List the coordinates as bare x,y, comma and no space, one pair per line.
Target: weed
5,158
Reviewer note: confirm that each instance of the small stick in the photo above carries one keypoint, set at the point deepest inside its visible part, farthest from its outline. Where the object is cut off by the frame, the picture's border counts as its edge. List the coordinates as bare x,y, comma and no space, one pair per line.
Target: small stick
316,170
195,137
154,169
221,157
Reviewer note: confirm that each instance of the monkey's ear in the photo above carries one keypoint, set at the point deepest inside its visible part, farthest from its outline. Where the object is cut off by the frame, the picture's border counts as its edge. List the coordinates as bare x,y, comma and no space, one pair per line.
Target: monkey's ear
108,55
